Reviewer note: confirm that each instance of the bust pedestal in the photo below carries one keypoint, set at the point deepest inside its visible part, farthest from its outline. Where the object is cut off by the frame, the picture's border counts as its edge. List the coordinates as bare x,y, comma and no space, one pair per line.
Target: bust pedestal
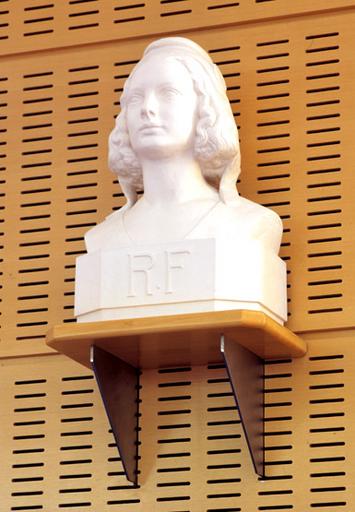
190,276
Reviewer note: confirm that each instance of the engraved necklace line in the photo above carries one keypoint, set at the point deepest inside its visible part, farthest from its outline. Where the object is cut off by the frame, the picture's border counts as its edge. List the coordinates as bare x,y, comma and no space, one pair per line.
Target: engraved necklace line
203,216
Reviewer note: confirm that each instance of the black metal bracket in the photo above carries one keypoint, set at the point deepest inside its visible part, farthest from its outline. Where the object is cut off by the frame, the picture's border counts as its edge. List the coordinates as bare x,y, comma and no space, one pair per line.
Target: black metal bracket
246,375
119,387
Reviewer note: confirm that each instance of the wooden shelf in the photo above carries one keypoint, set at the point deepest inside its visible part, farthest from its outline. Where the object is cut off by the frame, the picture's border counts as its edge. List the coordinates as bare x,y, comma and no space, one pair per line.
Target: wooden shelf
164,341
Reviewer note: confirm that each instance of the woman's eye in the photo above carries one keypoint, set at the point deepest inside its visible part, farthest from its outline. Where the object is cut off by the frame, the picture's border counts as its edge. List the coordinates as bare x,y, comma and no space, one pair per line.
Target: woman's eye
134,99
169,92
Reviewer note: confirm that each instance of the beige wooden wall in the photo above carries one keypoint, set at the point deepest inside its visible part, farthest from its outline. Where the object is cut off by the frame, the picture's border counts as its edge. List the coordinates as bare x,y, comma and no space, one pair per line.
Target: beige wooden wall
289,69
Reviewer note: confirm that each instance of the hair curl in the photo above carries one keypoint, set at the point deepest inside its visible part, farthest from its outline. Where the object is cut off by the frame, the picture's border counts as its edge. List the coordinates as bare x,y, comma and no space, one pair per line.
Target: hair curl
216,144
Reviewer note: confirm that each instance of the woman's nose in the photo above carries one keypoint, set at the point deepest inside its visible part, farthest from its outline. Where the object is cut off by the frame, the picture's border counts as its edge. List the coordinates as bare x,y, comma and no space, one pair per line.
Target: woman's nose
149,106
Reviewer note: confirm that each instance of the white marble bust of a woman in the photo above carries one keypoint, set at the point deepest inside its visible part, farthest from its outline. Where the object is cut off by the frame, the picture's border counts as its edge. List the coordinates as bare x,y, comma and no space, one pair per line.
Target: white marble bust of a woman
176,140
189,243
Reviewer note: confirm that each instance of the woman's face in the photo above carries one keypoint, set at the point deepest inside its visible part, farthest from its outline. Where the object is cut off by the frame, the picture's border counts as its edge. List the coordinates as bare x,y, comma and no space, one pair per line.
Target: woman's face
161,109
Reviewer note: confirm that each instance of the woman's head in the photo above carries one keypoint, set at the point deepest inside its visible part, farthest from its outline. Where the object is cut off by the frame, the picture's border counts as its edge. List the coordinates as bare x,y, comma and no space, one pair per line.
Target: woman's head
215,145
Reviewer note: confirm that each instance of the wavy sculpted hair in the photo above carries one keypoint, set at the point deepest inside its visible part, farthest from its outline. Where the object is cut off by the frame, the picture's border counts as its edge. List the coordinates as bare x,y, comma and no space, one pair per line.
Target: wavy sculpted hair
216,146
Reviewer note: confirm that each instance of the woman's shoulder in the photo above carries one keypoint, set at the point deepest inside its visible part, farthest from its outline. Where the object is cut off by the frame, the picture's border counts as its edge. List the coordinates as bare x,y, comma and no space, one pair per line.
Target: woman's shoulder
250,220
264,223
247,212
251,208
103,233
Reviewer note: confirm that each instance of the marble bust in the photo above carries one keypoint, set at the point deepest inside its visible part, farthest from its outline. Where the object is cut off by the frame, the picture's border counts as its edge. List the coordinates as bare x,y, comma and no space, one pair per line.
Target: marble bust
175,140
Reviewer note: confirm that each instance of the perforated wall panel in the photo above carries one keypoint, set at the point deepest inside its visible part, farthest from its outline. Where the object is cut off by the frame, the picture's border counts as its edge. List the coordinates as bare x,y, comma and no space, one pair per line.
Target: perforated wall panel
31,25
57,451
289,71
291,93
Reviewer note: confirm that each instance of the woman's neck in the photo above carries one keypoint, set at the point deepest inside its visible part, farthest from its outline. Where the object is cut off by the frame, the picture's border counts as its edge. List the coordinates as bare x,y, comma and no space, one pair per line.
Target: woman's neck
174,180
